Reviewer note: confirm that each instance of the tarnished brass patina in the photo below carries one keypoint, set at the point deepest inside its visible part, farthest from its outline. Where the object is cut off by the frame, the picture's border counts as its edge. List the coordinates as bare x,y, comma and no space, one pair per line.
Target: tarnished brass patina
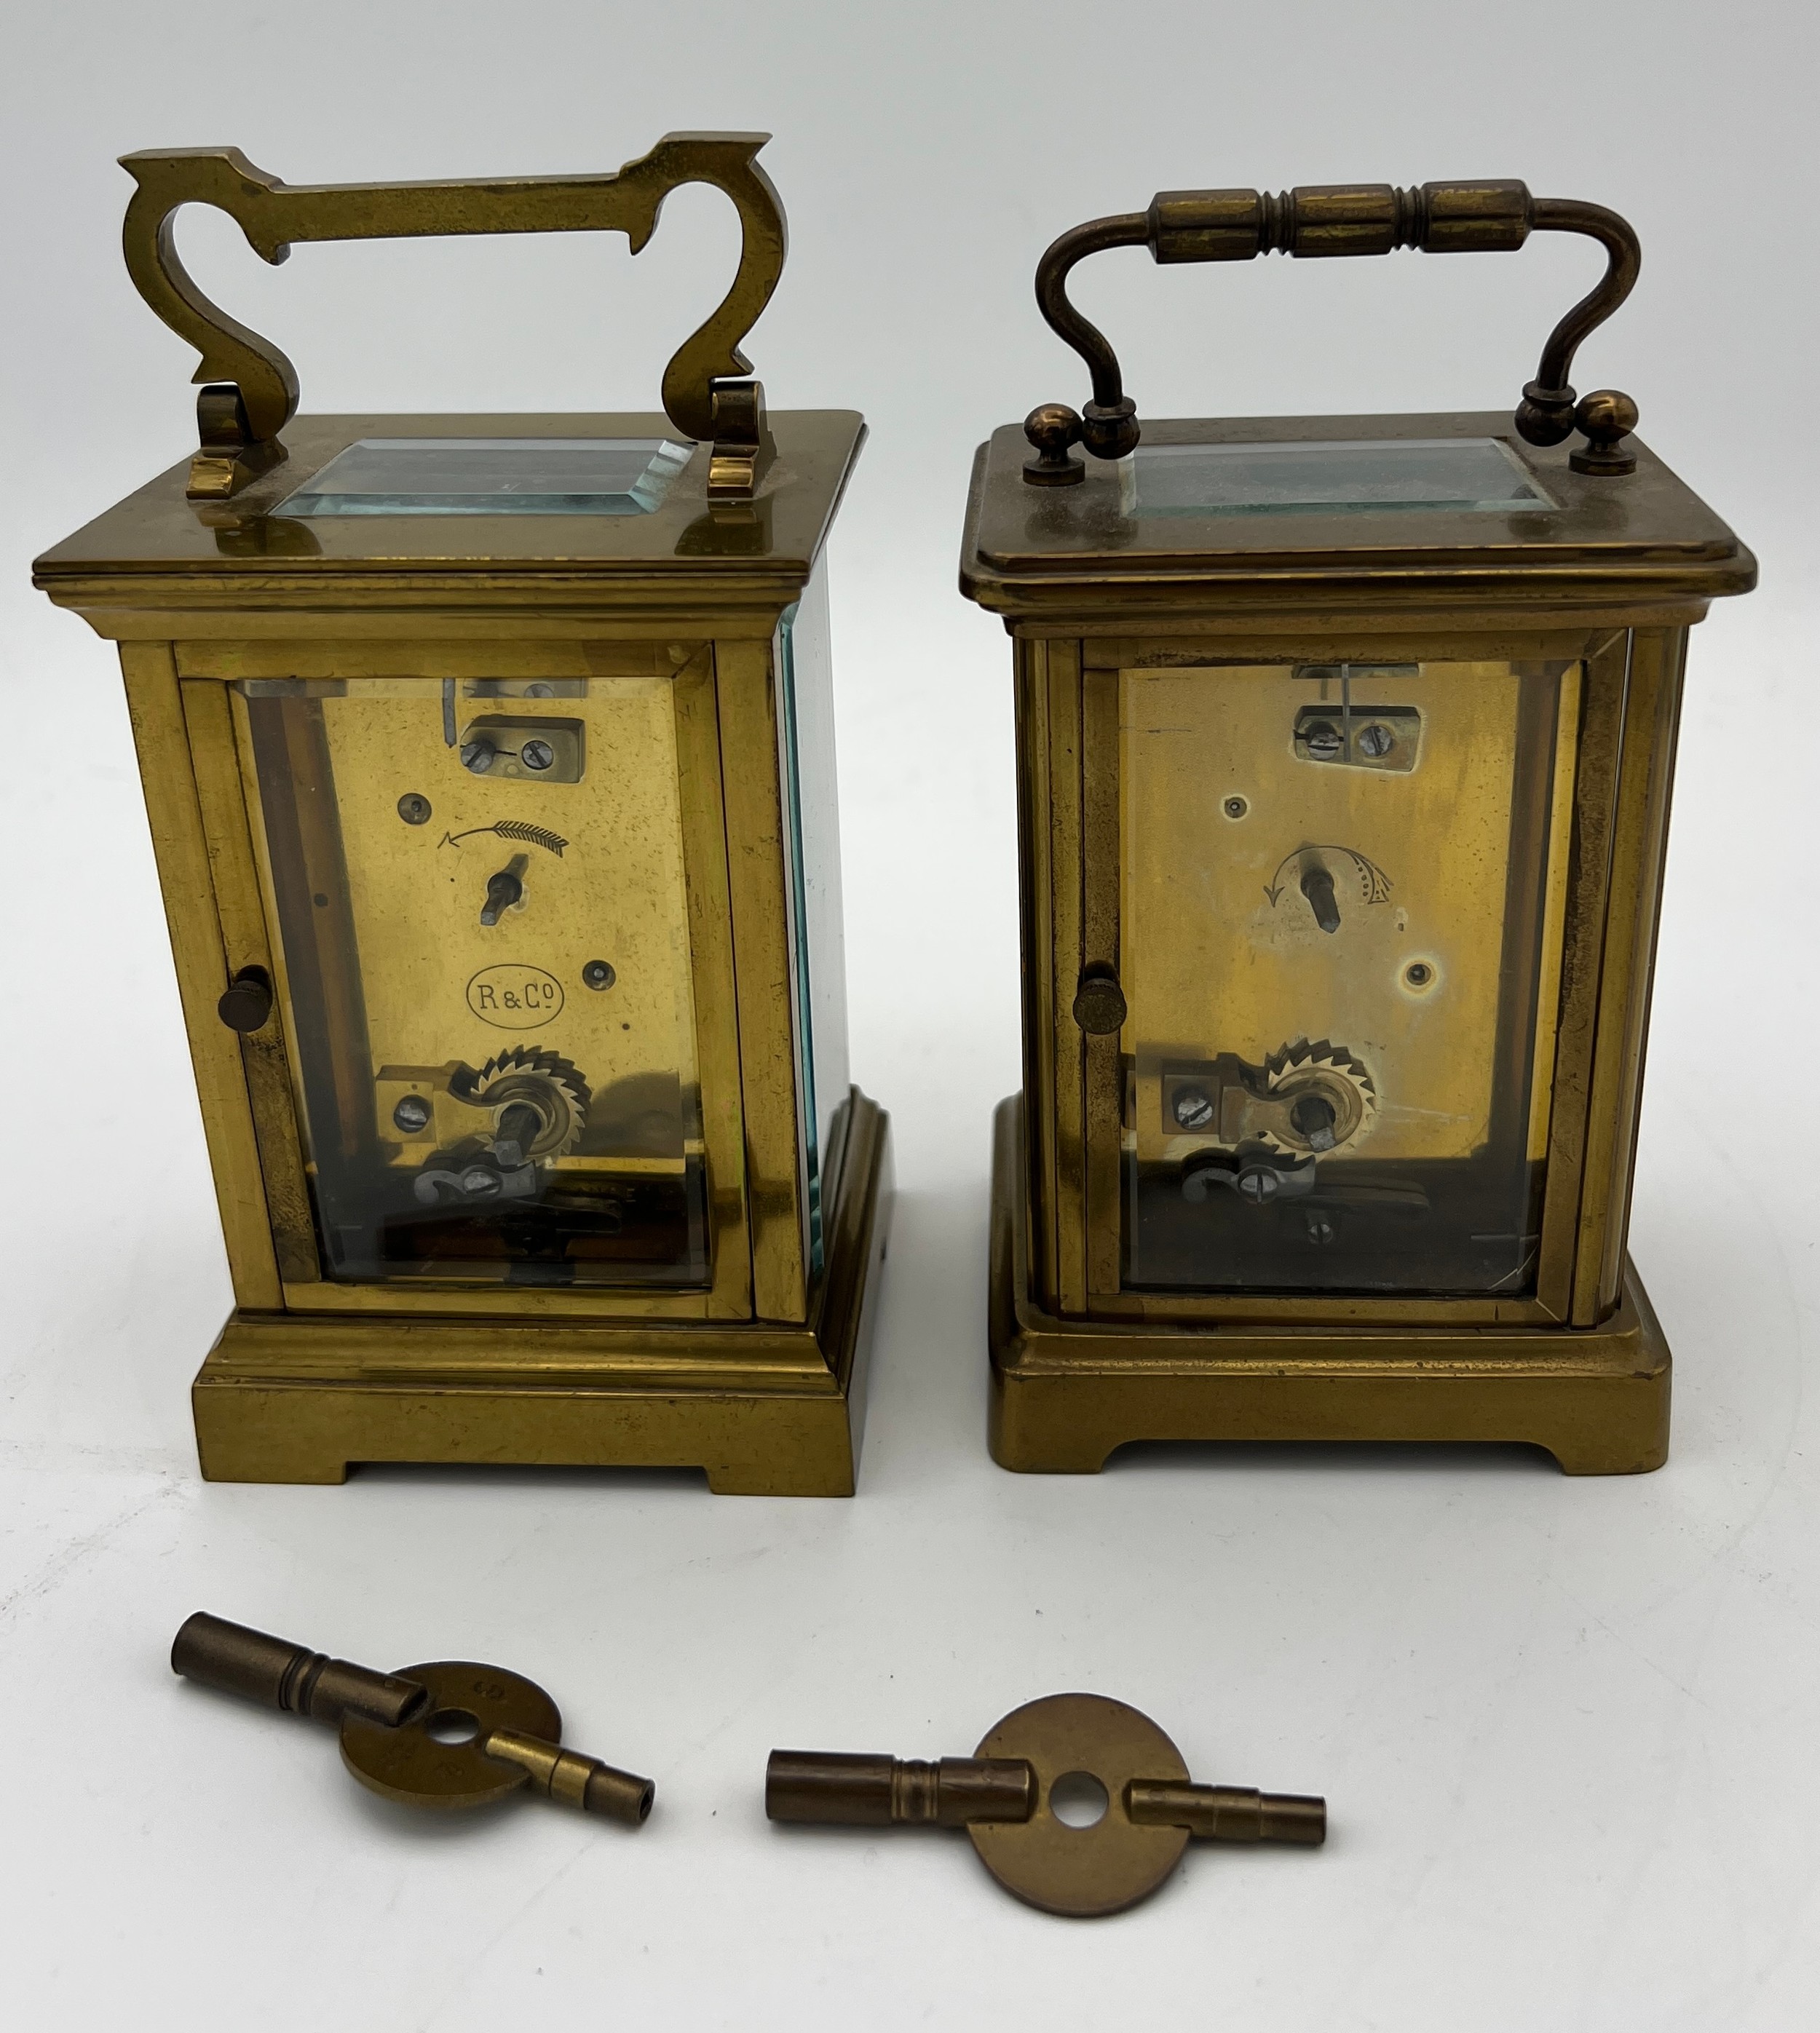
447,1735
279,1675
1345,750
252,390
489,765
1026,1799
1320,222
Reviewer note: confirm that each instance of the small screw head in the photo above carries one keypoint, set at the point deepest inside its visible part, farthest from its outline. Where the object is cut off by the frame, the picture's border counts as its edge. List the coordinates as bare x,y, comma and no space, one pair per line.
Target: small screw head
413,808
1192,1108
478,756
1257,1184
1320,1230
536,755
481,1184
1418,974
1324,742
1235,808
411,1114
1376,740
599,974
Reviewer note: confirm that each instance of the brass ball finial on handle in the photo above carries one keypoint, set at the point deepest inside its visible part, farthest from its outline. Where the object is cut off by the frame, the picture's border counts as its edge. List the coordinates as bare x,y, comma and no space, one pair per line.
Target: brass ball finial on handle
1607,417
1109,430
1052,428
1544,416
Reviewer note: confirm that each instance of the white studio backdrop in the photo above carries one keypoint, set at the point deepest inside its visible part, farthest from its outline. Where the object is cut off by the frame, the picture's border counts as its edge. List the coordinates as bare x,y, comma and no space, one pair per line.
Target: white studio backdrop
1567,1730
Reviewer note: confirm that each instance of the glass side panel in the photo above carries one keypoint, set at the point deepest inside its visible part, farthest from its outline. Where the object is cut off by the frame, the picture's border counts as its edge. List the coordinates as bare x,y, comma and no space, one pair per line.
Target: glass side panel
1342,888
478,893
492,476
1471,473
819,961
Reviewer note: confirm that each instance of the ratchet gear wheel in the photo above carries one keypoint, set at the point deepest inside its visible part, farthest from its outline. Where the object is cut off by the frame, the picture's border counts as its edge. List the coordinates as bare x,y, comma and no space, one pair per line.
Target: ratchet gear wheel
546,1083
1328,1095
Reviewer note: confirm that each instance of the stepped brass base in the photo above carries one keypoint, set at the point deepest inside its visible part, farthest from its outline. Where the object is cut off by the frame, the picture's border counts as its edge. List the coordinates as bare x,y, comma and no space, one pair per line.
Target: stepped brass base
766,1410
1065,1393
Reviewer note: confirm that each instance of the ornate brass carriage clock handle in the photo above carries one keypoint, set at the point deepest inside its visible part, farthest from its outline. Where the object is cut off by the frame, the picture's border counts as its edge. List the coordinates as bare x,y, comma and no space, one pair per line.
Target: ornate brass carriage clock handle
1322,219
448,1735
251,389
1006,1794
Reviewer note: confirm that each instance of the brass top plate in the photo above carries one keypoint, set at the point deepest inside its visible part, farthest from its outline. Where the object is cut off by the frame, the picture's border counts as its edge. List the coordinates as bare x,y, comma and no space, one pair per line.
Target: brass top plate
1082,1871
1643,534
408,1764
158,533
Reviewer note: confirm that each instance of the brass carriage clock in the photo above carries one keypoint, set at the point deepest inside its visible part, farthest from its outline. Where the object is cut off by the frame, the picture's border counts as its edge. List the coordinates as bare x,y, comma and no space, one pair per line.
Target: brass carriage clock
1344,751
489,766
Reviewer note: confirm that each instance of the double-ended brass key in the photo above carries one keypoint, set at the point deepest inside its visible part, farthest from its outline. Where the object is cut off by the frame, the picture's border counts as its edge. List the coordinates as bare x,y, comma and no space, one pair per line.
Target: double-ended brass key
1041,1757
451,1734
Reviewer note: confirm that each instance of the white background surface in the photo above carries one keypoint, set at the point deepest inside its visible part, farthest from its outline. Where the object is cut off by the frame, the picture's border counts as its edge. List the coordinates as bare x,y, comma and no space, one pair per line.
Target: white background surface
1567,1728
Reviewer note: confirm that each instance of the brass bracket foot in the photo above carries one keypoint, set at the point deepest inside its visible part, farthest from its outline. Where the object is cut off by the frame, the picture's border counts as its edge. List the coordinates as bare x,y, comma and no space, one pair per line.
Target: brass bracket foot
1067,1392
765,1409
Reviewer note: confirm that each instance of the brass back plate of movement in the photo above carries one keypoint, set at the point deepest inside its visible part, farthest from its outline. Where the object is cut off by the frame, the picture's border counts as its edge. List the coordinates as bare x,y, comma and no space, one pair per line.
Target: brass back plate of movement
409,1765
1086,1872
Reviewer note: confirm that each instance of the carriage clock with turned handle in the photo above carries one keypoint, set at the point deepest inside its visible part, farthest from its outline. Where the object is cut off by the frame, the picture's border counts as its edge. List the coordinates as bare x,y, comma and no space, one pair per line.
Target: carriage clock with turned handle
490,771
1344,754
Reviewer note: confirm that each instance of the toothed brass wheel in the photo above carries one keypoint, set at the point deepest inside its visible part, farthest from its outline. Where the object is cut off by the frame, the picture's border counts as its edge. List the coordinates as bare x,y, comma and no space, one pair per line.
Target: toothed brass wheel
1327,1095
546,1083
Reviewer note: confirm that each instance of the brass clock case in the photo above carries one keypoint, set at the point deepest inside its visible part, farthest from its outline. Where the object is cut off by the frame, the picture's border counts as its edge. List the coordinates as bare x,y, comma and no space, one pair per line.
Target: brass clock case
1345,752
489,765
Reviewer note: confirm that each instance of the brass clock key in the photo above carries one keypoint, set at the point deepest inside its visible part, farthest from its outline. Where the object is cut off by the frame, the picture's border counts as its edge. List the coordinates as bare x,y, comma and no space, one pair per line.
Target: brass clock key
1027,1797
450,1733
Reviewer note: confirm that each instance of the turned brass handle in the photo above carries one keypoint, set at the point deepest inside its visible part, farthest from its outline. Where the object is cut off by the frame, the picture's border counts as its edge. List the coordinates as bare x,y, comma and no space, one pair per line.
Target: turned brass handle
253,391
1323,220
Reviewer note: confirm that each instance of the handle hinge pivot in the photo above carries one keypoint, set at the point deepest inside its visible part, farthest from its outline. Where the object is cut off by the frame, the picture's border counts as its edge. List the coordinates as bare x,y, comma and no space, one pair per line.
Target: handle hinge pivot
231,456
743,443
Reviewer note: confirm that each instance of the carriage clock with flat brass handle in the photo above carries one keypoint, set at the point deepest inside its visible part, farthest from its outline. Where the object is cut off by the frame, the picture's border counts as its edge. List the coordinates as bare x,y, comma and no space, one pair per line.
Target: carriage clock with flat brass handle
489,765
1344,750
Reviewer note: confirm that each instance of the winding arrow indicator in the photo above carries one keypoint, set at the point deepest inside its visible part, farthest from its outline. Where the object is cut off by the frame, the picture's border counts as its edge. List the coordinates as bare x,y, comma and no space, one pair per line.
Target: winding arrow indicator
1374,885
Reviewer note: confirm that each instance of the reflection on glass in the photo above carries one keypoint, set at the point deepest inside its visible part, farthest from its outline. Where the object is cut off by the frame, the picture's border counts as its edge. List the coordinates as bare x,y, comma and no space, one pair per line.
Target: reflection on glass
1470,473
492,476
1338,885
818,969
478,889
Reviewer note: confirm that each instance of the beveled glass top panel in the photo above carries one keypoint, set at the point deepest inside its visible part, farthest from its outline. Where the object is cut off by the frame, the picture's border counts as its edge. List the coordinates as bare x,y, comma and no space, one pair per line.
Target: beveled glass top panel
769,543
1337,476
492,476
1591,536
